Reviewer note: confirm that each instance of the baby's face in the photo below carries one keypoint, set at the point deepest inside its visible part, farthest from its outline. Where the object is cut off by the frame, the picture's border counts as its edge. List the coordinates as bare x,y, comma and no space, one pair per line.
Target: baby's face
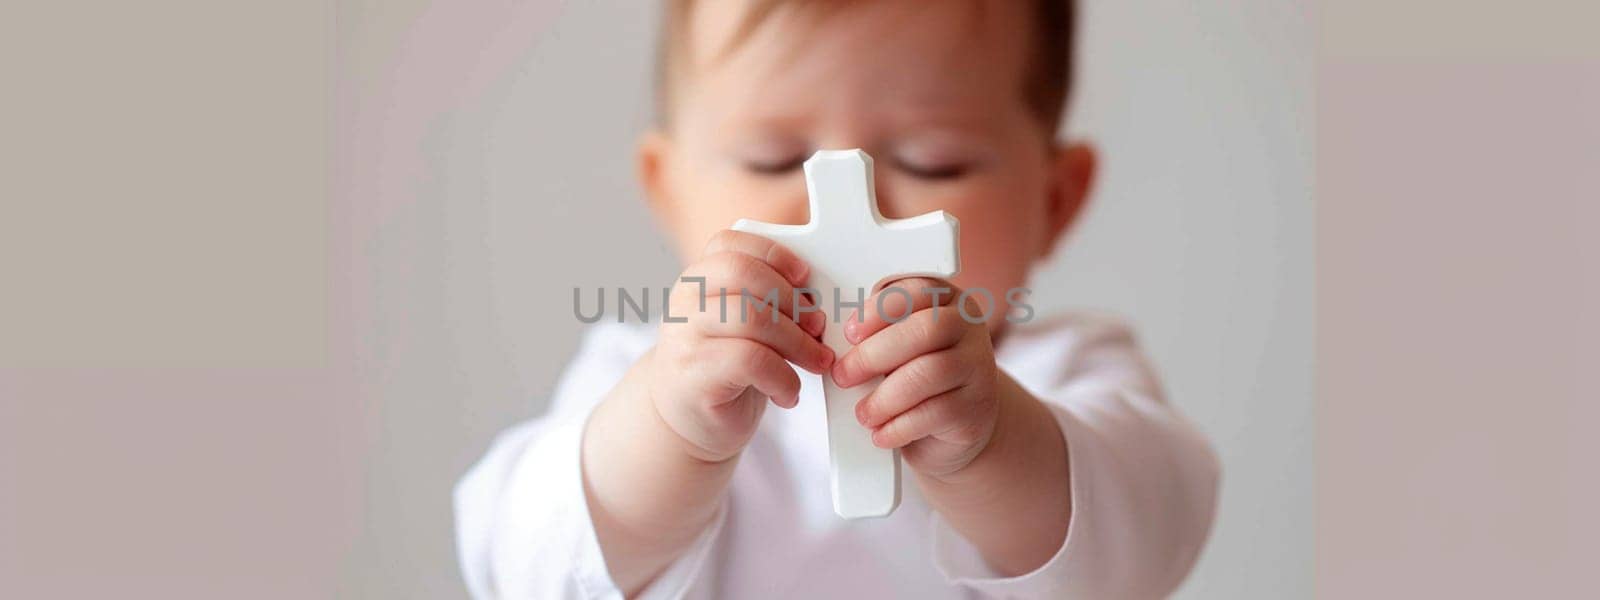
932,90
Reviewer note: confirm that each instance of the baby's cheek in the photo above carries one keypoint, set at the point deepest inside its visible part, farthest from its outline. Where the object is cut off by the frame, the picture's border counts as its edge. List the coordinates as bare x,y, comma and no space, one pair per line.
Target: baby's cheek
707,201
997,250
992,271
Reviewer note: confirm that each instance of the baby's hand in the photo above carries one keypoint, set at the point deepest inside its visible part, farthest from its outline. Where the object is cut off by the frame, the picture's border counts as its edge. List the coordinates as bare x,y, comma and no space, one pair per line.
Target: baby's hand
938,402
709,377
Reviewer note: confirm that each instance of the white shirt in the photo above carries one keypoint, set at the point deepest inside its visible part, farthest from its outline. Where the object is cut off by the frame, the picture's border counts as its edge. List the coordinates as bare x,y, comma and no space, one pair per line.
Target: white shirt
1143,480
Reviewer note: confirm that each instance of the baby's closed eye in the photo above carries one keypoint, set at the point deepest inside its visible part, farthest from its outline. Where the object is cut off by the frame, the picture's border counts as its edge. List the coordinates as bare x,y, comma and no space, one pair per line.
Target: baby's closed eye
773,157
936,158
772,165
933,170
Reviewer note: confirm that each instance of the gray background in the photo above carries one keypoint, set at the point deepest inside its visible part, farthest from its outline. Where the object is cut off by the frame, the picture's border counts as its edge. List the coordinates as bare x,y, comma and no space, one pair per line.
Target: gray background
518,186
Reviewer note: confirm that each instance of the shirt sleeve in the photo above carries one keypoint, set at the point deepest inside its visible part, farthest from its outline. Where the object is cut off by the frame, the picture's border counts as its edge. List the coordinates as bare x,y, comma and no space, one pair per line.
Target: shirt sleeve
523,528
1143,481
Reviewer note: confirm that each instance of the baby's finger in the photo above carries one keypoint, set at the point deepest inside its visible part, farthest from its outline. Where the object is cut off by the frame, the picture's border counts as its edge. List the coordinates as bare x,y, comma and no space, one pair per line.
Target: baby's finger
755,320
733,274
924,332
936,415
784,261
924,377
738,363
896,302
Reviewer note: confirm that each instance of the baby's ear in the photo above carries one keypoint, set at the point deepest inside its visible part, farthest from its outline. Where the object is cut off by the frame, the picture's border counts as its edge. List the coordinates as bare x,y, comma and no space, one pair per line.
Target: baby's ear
650,165
1072,167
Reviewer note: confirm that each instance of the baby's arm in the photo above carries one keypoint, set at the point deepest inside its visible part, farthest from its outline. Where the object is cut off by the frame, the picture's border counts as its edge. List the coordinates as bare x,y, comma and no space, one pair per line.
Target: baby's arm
987,454
1099,458
1013,501
659,450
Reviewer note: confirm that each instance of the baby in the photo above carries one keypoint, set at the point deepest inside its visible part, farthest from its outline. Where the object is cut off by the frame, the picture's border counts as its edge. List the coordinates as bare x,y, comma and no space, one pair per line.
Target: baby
1043,461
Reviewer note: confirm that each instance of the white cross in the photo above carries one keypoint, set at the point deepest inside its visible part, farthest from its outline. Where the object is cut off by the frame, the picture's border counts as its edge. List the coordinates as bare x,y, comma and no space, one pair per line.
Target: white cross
850,246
